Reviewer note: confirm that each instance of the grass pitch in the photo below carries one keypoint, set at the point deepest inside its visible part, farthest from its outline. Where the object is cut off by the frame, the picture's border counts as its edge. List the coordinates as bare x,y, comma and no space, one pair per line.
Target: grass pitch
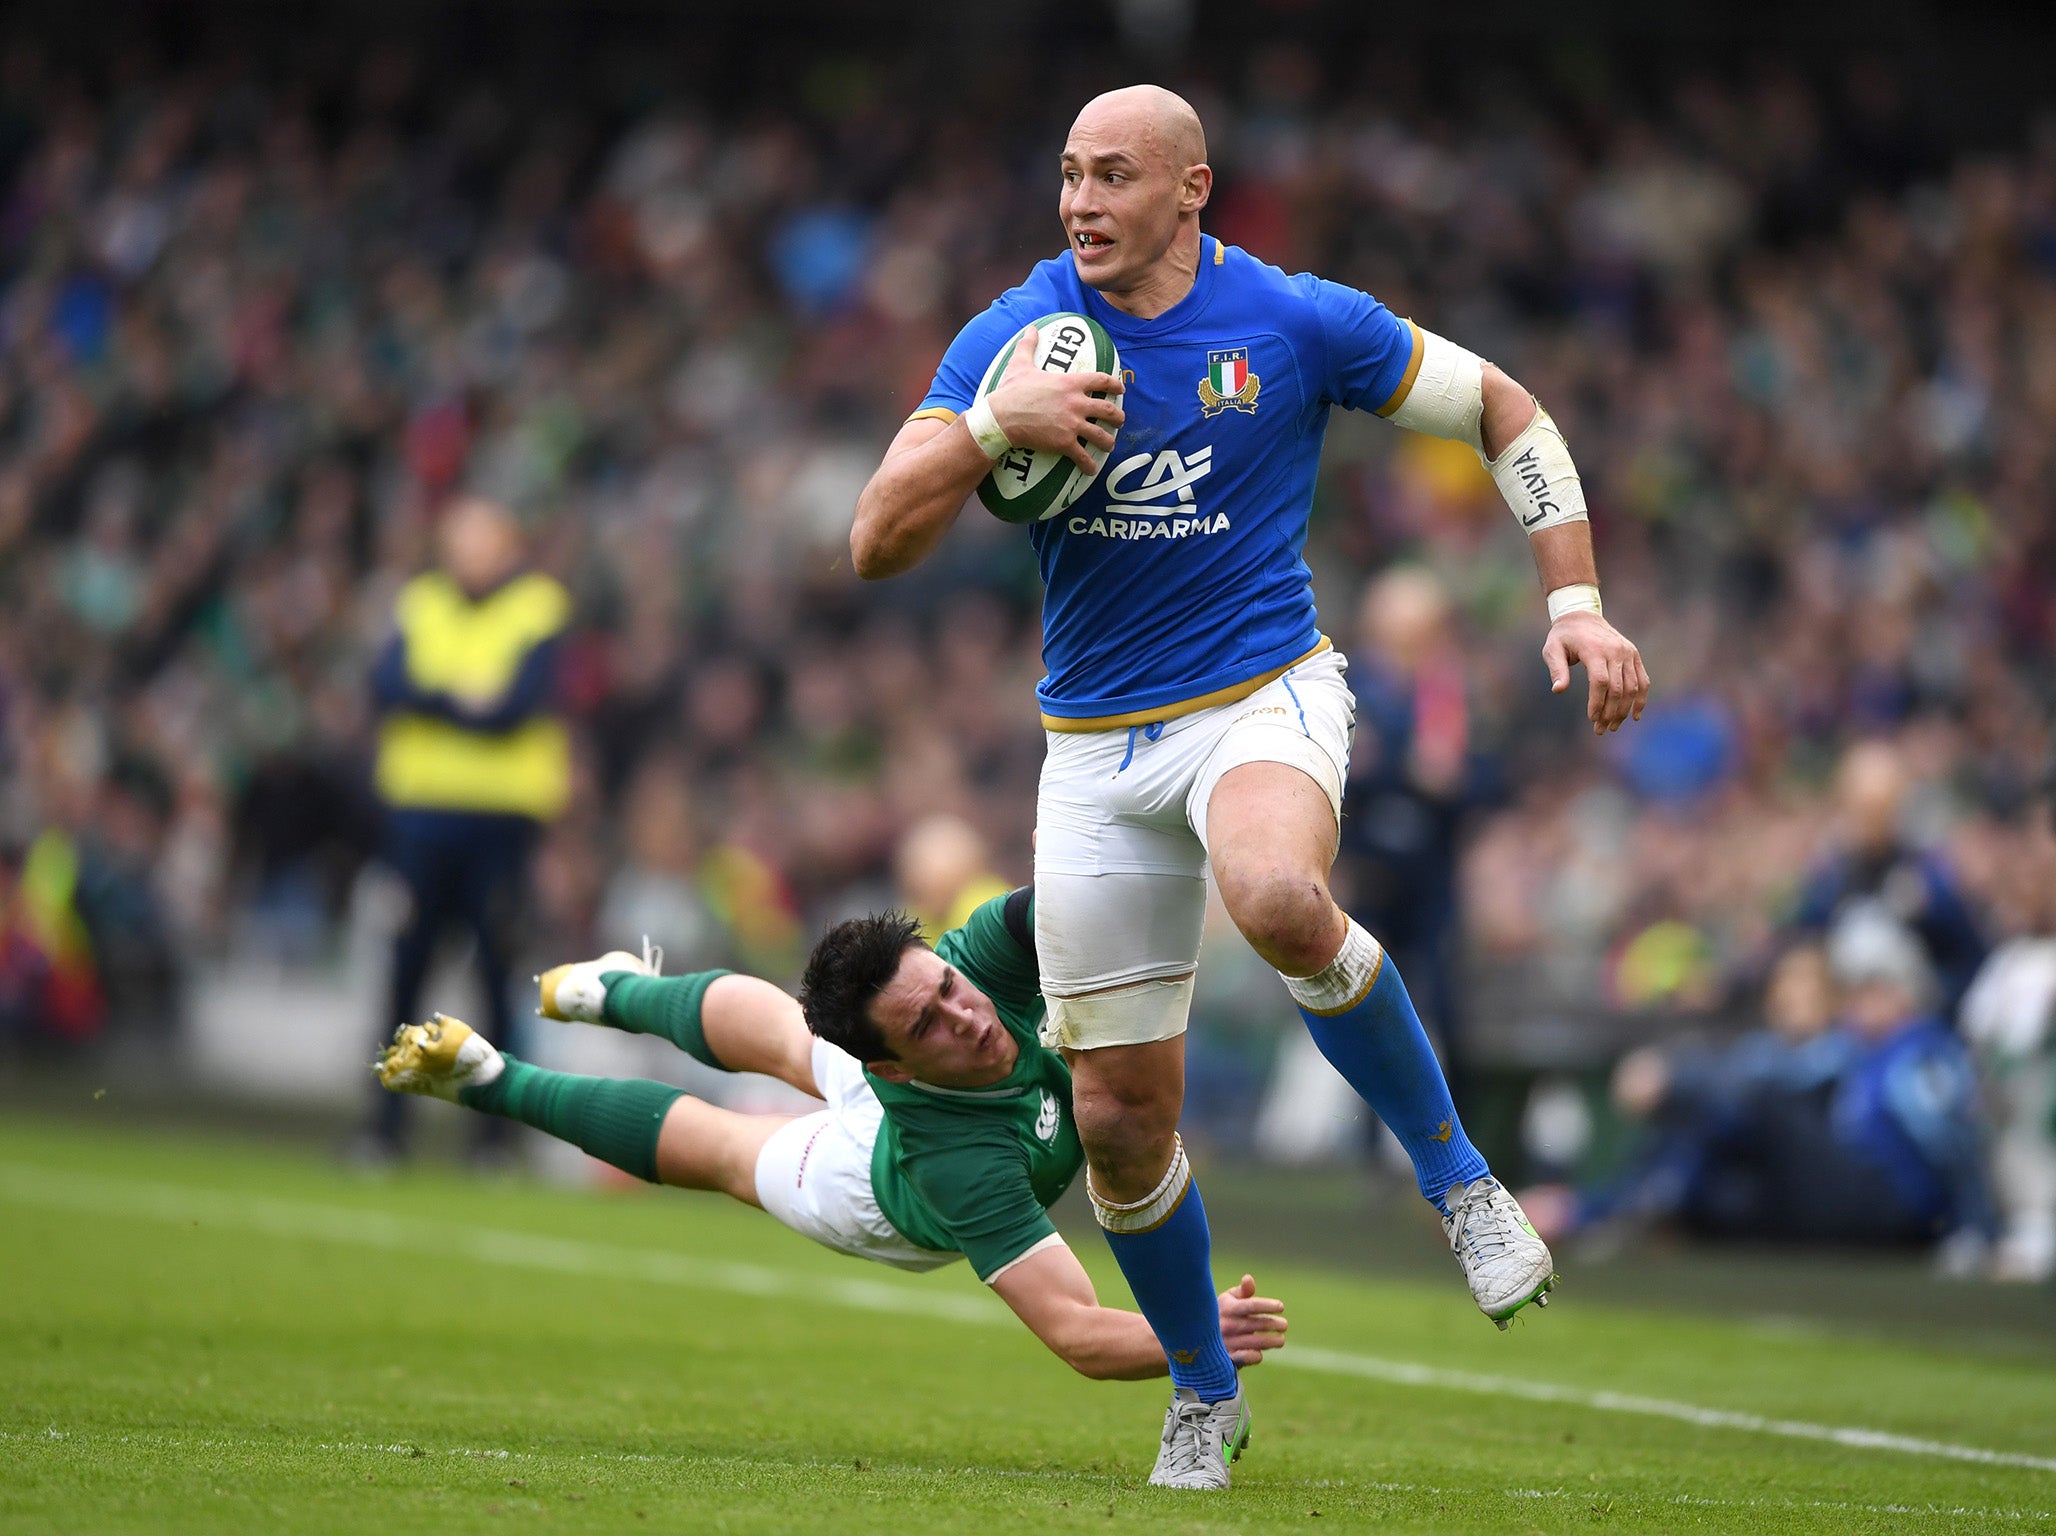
204,1335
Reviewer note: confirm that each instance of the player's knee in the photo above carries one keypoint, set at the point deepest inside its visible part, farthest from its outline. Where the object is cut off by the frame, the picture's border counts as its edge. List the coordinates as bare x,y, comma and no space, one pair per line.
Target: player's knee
1109,1116
1286,914
1127,1130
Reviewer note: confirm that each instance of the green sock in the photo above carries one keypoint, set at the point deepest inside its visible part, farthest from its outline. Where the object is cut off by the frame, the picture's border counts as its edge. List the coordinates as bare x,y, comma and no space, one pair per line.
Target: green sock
666,1006
617,1120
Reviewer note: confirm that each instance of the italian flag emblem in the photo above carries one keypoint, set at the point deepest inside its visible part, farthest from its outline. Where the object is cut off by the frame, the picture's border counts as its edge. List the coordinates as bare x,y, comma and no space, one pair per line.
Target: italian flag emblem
1228,385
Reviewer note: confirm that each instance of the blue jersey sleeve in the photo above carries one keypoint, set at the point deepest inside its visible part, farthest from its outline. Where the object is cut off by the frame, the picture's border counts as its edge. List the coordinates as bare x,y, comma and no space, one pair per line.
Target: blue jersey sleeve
1370,354
964,364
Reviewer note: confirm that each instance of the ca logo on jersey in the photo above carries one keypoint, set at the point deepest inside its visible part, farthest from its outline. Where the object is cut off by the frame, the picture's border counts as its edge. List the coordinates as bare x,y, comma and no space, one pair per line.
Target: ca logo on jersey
1046,1120
1165,477
1156,490
1228,385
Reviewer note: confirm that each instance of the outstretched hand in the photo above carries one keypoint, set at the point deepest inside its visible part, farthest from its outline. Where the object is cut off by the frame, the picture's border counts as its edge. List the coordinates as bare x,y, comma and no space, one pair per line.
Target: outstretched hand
1056,412
1250,1324
1618,683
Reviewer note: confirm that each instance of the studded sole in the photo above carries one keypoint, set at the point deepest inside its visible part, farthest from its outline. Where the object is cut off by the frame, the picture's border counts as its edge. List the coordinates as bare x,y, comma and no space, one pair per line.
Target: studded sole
1539,1296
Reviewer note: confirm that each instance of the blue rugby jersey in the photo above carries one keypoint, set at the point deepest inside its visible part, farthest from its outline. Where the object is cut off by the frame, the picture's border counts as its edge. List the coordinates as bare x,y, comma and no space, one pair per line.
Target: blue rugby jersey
1177,579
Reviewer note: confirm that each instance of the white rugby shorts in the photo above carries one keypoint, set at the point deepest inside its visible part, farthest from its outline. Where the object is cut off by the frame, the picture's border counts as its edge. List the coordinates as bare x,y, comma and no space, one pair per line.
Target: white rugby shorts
1120,846
814,1174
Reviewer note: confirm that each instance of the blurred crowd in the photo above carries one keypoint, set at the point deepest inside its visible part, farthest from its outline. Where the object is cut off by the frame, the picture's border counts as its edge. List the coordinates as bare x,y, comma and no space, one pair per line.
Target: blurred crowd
256,331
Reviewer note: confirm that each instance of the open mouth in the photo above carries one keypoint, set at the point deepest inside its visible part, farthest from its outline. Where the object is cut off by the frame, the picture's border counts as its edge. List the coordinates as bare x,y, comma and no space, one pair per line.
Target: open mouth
1090,240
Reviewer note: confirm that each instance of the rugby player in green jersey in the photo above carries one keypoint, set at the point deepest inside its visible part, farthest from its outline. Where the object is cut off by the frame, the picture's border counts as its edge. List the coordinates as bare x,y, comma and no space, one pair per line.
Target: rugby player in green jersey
947,1131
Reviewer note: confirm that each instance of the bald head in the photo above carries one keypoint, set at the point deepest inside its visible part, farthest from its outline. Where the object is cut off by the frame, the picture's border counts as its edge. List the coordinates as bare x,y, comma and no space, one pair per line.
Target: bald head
1148,119
1404,616
481,544
1870,788
1135,181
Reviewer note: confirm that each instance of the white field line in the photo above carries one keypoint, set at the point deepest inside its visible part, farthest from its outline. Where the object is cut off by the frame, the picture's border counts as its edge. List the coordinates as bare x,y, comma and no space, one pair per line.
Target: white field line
1404,1373
414,1451
60,1189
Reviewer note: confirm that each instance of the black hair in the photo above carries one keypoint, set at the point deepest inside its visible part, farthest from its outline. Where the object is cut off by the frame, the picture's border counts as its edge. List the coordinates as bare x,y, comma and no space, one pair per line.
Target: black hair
852,964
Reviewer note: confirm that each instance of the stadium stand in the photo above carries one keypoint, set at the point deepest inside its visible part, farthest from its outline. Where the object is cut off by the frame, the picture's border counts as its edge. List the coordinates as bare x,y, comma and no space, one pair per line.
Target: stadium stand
262,320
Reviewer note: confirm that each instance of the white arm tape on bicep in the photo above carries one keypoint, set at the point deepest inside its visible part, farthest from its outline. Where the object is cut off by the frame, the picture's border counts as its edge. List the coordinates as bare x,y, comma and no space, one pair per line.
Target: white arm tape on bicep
1536,476
1448,394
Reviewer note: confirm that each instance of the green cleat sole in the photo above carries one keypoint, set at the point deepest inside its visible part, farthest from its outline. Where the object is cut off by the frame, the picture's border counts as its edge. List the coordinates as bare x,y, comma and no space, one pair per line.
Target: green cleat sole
1539,1296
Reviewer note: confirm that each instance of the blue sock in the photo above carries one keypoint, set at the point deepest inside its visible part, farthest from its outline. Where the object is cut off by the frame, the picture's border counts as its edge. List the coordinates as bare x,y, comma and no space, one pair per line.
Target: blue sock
1376,1041
1169,1267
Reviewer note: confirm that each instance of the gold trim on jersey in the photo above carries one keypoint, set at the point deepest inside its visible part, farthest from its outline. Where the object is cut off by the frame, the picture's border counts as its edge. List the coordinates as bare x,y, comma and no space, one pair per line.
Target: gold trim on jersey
1406,380
1228,695
945,415
1220,251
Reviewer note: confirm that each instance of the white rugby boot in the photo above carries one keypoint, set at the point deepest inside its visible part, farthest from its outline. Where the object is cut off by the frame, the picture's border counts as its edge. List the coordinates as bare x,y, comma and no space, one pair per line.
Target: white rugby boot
438,1058
575,993
1504,1259
1200,1439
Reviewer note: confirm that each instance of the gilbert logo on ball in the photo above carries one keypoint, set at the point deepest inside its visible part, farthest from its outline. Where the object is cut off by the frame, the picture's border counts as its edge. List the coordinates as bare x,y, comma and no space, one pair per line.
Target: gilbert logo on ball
1029,484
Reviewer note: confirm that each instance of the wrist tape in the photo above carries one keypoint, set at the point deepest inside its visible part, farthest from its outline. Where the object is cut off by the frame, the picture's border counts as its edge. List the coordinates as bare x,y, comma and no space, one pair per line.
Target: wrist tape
1579,597
985,429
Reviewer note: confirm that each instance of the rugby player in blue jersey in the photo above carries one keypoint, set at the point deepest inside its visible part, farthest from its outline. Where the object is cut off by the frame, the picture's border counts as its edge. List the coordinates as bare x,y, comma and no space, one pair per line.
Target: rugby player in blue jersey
1196,714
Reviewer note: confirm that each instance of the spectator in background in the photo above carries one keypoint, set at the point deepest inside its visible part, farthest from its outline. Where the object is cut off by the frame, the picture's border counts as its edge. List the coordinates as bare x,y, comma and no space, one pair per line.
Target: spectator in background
2009,1020
263,313
1872,863
1863,1134
53,979
122,910
472,760
944,869
1903,1160
25,969
1415,774
654,895
1691,1101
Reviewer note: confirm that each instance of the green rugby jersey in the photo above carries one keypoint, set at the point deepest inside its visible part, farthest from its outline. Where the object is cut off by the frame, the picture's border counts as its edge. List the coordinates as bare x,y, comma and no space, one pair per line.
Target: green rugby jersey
975,1170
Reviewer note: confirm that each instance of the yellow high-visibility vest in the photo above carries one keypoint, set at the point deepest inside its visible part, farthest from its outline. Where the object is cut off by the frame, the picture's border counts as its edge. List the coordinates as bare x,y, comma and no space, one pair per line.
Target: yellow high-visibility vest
474,650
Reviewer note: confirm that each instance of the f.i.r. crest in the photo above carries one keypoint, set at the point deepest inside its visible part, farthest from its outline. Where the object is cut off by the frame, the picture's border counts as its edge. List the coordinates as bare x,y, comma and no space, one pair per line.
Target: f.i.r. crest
1228,385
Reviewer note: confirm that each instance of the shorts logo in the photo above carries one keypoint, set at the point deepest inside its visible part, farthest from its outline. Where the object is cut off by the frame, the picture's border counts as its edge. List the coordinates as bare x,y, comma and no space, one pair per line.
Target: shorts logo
1228,385
1046,1120
799,1175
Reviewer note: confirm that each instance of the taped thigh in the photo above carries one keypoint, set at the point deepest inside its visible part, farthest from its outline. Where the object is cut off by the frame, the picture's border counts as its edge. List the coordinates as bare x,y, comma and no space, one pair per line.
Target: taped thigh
1141,1014
1097,932
1117,954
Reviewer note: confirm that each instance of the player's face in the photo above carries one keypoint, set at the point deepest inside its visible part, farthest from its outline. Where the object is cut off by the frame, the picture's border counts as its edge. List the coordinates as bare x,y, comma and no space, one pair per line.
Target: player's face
942,1029
1119,203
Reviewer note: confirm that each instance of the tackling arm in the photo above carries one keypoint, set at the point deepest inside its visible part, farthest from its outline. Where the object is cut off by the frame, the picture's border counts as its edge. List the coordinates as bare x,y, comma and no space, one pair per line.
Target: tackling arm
1052,1294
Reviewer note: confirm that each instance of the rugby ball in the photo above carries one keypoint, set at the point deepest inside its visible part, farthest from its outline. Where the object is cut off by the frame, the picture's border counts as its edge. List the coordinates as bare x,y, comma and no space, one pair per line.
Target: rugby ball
1029,484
